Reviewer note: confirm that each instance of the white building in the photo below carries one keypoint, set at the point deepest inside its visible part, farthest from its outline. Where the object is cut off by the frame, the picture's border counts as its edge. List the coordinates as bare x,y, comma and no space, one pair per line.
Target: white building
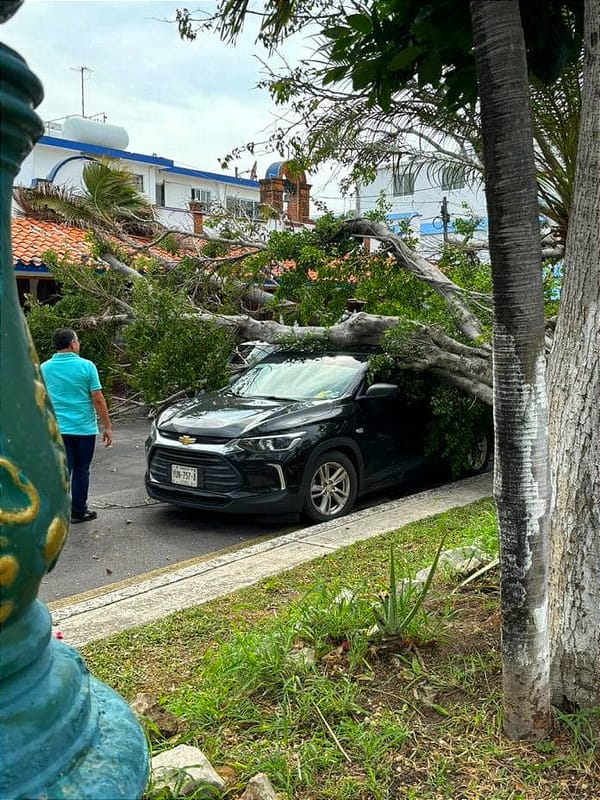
424,203
180,196
59,157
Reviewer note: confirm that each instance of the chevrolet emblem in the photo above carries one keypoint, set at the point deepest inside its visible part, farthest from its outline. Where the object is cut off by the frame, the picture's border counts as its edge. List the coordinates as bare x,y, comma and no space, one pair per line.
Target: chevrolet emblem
186,439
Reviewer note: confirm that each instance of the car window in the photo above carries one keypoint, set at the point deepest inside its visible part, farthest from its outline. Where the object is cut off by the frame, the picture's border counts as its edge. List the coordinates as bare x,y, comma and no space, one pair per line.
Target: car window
325,377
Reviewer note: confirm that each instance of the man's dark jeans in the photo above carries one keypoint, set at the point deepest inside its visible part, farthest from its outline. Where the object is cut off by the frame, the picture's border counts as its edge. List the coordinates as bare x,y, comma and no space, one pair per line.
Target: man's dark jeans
80,451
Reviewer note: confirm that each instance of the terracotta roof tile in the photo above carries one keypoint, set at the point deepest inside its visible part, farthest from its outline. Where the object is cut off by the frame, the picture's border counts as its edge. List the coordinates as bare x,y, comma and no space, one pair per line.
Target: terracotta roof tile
32,237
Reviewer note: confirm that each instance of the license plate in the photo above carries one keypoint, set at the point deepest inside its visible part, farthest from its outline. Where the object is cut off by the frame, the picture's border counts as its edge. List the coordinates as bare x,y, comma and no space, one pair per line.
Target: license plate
184,476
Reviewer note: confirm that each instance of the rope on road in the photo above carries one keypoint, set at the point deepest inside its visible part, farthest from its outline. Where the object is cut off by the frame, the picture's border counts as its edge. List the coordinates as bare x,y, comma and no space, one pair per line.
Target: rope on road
147,503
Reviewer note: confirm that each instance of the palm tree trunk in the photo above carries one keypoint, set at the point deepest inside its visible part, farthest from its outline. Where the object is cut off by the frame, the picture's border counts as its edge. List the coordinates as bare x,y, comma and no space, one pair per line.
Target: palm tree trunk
574,383
521,483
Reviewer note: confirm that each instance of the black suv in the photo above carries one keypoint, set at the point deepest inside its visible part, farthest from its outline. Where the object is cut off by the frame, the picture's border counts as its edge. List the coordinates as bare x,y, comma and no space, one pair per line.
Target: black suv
293,433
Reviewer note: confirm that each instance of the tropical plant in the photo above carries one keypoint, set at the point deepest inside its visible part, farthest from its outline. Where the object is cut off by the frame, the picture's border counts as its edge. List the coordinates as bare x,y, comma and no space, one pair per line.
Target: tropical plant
399,611
109,201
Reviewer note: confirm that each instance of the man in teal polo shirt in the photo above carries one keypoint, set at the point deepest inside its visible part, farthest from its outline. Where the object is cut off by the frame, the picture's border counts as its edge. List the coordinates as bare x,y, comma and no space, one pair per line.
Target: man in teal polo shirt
75,390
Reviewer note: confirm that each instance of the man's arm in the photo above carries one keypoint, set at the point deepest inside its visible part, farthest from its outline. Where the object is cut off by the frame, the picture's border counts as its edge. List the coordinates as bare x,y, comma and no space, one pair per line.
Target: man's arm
102,411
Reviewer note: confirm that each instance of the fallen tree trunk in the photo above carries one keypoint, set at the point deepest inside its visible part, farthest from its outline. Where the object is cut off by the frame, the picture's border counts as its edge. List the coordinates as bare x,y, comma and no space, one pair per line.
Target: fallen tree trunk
425,348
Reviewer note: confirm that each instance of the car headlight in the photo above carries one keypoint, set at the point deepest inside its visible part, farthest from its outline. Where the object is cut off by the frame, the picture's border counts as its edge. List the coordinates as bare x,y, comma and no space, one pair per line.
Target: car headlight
270,444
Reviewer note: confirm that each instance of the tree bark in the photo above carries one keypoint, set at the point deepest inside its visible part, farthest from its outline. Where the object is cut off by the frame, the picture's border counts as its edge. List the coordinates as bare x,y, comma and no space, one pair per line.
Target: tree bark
574,384
520,408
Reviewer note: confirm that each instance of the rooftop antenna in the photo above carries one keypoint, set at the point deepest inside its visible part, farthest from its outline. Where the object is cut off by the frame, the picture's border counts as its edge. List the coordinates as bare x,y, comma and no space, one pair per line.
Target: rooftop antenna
82,70
250,172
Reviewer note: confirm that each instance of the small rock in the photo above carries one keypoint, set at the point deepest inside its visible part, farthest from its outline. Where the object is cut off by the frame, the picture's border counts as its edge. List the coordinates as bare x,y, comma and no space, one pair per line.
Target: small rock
305,655
147,706
344,596
463,561
259,788
183,770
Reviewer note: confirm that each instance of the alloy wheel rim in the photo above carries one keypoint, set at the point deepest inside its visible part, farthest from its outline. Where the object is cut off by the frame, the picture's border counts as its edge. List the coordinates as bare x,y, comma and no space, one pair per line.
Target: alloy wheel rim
478,455
330,489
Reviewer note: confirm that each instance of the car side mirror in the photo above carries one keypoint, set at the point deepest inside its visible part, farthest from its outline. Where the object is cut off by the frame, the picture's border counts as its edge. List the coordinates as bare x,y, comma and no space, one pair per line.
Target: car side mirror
378,390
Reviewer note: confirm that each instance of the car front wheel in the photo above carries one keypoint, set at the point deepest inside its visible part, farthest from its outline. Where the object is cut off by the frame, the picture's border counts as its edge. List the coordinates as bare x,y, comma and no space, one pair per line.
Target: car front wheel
480,455
331,488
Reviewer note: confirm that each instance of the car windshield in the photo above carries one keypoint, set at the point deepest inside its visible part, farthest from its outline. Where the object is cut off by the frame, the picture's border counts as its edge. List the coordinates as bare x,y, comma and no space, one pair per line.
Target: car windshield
297,378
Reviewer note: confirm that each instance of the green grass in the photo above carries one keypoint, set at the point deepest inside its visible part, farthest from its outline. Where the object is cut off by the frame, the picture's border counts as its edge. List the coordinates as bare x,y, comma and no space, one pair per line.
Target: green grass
287,678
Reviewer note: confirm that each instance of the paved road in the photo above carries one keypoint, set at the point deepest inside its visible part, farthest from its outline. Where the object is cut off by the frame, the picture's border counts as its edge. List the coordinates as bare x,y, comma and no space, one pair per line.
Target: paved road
133,534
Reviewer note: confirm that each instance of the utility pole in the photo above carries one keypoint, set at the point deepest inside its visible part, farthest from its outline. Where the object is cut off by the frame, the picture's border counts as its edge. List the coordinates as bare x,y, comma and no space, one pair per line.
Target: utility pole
82,70
445,217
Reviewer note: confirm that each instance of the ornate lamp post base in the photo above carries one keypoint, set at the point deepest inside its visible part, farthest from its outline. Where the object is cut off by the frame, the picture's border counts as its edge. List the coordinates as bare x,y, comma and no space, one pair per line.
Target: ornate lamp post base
63,734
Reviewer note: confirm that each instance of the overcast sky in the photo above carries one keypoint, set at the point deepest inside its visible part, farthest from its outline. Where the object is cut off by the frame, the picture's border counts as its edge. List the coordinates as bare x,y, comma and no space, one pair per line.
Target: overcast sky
189,101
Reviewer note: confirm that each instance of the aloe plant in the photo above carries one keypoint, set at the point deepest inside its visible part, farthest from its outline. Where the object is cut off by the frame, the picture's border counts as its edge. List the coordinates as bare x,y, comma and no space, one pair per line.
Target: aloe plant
395,611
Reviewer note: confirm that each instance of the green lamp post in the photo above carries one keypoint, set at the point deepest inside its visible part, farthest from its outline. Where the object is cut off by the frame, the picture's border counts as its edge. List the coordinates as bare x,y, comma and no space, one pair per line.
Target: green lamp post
63,734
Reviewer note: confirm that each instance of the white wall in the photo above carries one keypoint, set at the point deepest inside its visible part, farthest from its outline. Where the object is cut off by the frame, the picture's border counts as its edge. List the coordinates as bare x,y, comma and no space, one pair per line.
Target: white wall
45,157
423,207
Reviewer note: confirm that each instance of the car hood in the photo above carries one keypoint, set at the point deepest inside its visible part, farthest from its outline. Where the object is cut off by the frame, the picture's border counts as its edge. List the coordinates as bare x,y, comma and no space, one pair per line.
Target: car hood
226,416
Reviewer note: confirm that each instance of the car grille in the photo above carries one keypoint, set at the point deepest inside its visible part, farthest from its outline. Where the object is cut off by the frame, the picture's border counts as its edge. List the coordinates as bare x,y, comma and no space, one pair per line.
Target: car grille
197,439
217,473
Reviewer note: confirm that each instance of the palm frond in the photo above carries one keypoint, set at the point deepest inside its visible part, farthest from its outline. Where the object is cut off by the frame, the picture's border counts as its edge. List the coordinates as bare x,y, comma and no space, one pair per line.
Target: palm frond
110,186
53,204
556,112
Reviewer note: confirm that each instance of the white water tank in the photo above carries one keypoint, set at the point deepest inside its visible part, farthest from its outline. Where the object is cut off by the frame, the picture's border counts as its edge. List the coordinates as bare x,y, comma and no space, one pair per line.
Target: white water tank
90,131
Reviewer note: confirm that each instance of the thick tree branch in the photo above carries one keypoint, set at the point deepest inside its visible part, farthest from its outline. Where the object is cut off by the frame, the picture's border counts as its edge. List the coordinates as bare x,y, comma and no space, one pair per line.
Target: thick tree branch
466,321
426,349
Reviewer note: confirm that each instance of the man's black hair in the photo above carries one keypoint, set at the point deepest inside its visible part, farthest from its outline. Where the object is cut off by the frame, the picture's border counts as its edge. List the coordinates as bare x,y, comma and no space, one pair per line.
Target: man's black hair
63,337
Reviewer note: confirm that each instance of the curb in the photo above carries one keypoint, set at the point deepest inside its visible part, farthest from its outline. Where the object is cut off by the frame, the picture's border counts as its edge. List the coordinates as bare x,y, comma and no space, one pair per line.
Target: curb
150,599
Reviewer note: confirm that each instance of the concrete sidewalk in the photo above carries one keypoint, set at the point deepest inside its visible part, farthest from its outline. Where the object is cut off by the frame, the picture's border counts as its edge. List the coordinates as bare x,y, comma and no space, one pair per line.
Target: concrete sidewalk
151,597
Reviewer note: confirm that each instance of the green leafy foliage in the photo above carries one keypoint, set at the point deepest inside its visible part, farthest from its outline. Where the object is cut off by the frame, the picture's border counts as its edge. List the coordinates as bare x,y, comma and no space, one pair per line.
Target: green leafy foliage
110,188
214,249
382,44
330,266
460,424
169,349
552,277
98,343
109,197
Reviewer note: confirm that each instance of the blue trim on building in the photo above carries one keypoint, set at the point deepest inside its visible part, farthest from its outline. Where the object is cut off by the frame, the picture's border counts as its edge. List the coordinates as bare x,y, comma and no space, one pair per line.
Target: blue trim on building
52,174
110,152
33,269
403,215
212,176
427,228
165,164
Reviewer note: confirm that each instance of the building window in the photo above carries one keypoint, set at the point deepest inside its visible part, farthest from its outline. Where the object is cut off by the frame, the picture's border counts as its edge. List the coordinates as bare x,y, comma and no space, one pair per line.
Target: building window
138,181
203,196
160,194
247,209
452,178
403,184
